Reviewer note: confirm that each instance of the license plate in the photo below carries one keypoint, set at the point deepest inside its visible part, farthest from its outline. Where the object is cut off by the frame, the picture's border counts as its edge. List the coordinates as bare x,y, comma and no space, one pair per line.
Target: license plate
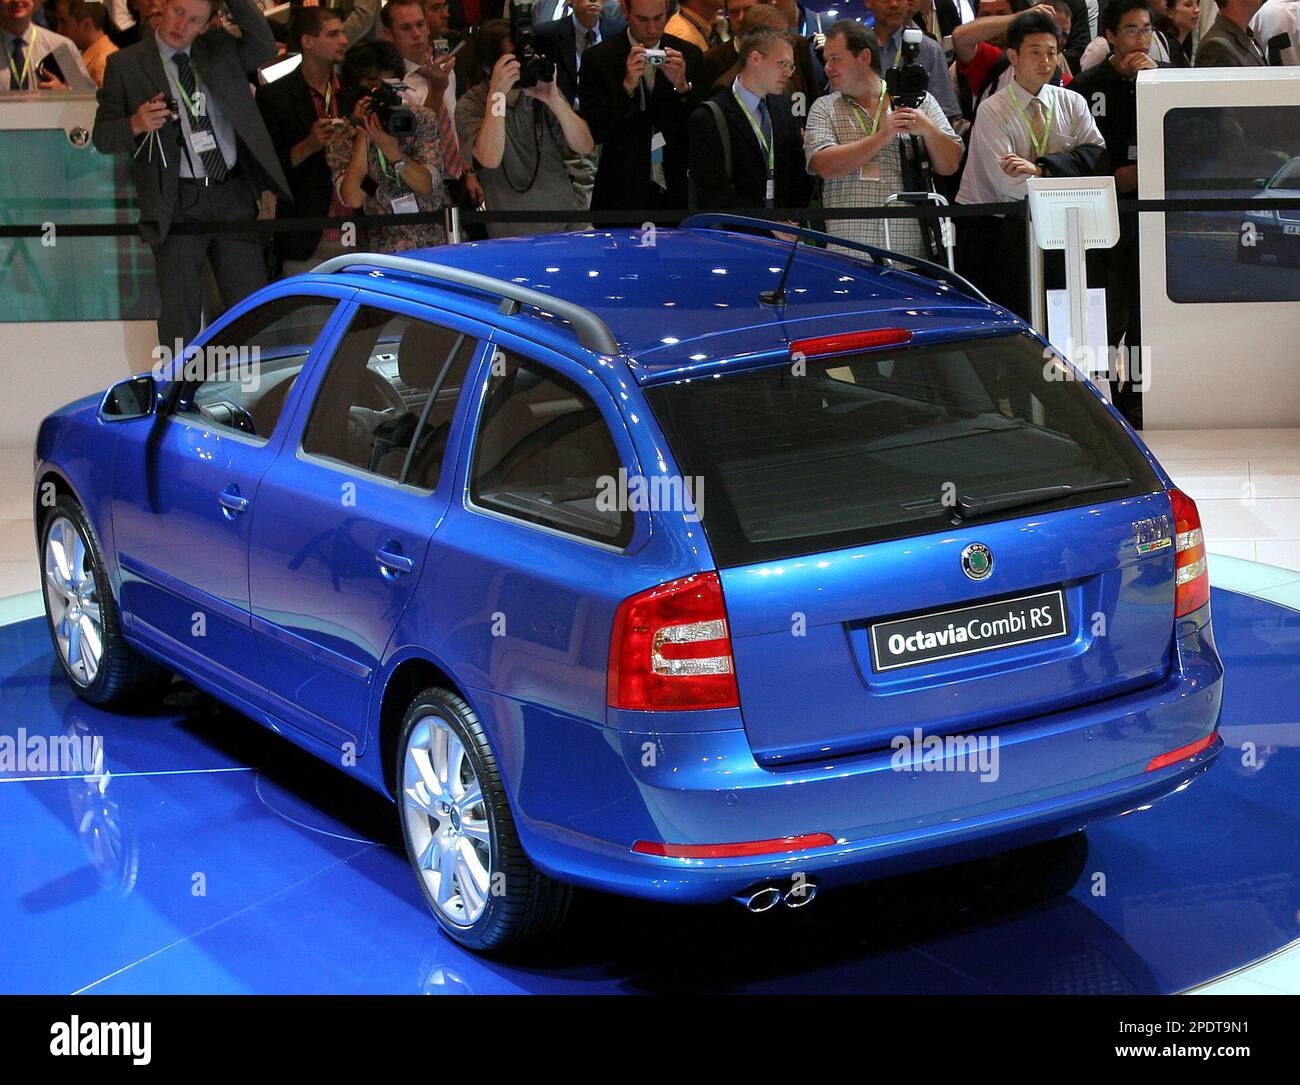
944,634
1291,228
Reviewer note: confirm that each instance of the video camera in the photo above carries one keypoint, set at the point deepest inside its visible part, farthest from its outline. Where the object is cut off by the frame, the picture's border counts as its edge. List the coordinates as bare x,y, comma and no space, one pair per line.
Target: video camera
908,80
534,68
390,110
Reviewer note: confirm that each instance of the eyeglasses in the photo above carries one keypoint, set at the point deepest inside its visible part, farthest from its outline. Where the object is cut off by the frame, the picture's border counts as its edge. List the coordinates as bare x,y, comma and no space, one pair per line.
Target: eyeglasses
786,66
1136,31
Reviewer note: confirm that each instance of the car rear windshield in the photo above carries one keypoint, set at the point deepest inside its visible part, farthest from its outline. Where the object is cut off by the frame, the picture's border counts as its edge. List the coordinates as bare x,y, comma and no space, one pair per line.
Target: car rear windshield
883,445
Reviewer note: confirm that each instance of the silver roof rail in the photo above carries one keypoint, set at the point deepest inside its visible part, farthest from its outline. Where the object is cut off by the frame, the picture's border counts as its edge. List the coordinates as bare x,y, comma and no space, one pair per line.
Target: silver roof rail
710,220
593,333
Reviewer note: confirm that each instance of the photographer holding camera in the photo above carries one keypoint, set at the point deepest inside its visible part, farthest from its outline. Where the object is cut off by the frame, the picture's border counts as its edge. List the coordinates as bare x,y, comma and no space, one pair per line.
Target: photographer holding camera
390,159
520,129
859,141
637,91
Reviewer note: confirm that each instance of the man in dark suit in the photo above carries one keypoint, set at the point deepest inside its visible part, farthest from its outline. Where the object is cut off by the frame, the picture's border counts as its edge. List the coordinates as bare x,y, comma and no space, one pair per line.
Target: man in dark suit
636,93
205,161
566,40
766,147
1230,43
301,110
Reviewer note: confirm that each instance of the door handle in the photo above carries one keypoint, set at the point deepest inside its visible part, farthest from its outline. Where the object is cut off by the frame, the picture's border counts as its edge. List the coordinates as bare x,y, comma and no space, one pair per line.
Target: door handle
392,562
231,503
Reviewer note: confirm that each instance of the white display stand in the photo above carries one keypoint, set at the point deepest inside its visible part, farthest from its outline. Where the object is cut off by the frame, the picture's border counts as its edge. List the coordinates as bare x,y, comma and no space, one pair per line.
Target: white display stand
1076,214
1223,364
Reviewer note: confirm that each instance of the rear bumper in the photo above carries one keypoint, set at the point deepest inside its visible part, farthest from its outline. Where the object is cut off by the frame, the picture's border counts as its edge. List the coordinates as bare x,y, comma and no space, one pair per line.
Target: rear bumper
584,794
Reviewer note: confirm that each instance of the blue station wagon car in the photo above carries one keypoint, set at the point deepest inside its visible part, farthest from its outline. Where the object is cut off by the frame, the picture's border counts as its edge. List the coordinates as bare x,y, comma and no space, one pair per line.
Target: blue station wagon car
686,566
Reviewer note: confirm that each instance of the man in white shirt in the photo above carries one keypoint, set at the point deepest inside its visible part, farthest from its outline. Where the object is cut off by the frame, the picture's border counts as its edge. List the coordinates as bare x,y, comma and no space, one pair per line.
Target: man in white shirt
1277,27
1029,128
28,48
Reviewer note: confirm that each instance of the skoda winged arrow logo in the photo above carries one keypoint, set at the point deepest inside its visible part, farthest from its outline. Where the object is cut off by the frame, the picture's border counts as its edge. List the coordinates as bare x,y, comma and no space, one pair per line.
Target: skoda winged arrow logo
977,561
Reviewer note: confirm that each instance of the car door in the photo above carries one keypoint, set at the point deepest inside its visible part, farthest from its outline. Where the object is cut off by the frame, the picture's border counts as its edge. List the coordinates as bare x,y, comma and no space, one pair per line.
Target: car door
344,518
183,487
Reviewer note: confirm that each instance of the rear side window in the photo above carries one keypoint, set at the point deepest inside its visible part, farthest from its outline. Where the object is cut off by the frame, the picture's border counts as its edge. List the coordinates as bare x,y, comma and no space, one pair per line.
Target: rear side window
882,445
387,400
544,454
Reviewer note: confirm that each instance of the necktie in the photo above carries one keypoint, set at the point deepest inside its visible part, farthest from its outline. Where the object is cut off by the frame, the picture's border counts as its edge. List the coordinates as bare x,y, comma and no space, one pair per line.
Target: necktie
1037,123
451,158
765,120
214,162
588,40
20,53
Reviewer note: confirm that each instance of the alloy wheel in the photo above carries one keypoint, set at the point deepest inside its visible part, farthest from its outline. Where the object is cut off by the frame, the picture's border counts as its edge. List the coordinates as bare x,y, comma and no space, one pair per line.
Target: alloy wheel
73,599
446,821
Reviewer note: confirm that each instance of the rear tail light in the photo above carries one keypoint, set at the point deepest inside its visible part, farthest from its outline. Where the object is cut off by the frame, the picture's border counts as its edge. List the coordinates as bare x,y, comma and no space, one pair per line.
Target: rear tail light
850,341
1191,577
670,649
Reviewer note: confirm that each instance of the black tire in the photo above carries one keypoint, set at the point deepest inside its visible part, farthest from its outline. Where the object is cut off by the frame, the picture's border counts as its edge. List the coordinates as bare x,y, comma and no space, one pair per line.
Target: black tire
523,904
124,676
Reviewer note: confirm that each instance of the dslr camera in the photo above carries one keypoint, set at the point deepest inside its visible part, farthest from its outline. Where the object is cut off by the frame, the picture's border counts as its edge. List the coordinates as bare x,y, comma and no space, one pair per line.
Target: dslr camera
534,68
908,80
392,113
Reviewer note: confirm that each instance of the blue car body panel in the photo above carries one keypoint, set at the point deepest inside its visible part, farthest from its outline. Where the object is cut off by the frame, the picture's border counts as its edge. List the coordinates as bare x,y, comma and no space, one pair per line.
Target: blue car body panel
304,635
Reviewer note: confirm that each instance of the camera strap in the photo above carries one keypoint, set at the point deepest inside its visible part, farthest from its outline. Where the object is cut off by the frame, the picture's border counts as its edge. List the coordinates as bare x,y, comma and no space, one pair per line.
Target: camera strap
387,170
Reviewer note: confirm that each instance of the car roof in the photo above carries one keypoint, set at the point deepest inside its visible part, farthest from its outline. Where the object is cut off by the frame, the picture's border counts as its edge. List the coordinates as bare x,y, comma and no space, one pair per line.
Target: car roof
686,302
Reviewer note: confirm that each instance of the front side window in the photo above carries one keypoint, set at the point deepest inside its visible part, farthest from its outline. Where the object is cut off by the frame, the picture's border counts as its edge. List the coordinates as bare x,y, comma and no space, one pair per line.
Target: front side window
240,379
545,454
387,400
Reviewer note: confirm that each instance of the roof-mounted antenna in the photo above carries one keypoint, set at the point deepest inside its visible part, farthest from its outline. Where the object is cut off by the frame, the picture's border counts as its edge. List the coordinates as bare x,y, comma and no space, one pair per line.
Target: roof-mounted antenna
777,296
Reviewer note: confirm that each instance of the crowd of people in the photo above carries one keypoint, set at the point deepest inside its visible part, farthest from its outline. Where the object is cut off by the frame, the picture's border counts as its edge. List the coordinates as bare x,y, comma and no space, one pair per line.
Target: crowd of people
629,105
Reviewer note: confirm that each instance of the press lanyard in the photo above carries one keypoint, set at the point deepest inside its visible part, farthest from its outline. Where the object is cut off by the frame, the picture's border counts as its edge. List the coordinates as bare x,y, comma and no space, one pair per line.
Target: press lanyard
392,175
193,106
1040,147
329,93
856,110
769,147
21,83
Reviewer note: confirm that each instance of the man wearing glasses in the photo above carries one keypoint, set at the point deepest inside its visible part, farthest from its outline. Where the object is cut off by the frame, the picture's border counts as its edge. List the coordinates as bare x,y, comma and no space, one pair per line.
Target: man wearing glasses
758,162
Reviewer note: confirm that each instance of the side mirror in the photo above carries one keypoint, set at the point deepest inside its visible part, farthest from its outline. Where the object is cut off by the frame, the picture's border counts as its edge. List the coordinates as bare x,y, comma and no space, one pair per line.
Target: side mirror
135,397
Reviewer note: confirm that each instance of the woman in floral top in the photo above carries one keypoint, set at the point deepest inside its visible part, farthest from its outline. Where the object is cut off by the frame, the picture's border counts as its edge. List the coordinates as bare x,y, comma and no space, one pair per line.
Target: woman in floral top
380,174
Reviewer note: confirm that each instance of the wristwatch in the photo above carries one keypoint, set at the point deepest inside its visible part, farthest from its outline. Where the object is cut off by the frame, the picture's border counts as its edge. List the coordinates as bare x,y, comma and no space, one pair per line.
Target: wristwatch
400,165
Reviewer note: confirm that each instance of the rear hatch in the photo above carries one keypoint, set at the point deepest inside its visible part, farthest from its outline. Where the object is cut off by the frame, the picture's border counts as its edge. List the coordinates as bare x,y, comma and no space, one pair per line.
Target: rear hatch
895,549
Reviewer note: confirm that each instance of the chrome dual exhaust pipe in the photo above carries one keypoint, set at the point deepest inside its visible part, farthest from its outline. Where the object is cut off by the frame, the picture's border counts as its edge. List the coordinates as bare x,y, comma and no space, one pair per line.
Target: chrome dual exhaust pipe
765,897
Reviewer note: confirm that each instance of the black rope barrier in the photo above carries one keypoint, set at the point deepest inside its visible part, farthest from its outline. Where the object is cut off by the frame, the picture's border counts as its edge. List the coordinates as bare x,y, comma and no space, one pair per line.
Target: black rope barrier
632,218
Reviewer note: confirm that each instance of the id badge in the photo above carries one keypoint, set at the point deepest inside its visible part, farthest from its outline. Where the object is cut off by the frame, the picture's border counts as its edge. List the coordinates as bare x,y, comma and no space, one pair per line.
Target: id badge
869,172
657,144
203,141
404,205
